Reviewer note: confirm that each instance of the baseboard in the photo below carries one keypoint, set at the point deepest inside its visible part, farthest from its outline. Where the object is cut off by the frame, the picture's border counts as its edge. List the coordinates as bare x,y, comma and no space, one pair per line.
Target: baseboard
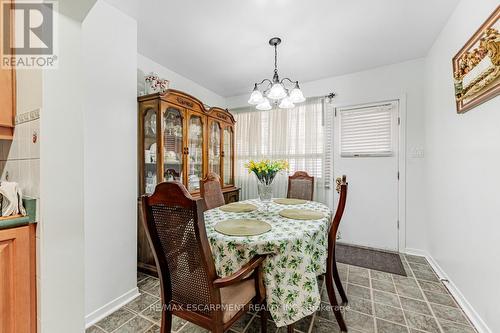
474,317
111,307
366,247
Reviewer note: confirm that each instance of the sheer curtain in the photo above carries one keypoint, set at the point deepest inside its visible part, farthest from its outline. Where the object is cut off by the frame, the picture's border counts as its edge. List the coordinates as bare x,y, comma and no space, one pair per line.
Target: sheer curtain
296,135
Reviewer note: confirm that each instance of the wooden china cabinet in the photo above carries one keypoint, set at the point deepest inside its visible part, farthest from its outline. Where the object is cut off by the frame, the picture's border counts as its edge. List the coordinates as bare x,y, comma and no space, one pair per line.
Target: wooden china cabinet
180,139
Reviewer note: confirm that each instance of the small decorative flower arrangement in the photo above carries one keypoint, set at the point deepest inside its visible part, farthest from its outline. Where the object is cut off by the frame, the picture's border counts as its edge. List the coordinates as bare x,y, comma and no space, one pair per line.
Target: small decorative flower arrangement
154,84
266,170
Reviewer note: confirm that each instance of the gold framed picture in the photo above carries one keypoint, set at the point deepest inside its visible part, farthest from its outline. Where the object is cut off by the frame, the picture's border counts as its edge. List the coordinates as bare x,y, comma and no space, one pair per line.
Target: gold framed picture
476,67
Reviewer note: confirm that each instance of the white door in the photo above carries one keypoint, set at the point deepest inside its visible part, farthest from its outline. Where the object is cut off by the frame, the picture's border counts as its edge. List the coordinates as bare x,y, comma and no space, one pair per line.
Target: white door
366,151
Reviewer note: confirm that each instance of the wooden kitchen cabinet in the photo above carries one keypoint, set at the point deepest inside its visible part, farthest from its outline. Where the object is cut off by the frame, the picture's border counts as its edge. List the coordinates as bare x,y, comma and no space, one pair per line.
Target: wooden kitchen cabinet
7,103
17,280
7,99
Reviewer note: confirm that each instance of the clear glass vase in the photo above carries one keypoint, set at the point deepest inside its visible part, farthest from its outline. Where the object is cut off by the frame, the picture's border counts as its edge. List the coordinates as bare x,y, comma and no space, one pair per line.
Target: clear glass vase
265,191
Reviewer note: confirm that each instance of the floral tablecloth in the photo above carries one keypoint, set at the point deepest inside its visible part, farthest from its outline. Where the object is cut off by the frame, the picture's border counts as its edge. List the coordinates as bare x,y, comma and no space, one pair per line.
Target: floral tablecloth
297,248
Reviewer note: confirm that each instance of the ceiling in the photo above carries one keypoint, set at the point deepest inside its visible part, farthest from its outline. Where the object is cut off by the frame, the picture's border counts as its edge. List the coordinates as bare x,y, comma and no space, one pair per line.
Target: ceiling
223,44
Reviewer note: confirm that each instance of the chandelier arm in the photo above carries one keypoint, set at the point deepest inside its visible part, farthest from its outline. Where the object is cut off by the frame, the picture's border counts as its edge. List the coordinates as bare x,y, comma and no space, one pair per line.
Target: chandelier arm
261,82
289,80
269,83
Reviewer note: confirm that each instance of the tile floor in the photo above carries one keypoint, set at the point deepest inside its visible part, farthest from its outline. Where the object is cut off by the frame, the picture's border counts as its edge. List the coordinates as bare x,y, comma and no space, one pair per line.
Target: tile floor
378,303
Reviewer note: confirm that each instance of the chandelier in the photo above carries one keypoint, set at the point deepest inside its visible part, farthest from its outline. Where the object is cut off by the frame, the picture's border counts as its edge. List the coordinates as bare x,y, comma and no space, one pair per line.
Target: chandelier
275,91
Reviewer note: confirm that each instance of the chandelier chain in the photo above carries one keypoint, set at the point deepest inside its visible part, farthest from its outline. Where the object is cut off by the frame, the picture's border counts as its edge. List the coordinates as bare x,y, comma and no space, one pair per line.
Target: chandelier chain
275,58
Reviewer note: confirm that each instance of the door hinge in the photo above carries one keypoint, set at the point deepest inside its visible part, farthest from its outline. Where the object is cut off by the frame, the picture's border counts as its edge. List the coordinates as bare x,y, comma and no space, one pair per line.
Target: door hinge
398,175
399,121
335,112
398,224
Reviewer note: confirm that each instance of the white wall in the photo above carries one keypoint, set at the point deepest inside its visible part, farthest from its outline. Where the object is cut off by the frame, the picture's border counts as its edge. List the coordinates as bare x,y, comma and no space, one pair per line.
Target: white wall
110,165
61,246
179,82
462,171
379,84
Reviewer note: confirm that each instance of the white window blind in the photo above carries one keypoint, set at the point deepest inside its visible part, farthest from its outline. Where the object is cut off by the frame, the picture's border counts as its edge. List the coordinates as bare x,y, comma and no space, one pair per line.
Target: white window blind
366,131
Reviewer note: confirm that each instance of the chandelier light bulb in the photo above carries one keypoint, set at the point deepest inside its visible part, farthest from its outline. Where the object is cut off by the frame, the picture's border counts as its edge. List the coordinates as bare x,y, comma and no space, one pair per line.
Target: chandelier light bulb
264,105
256,97
277,91
296,95
286,103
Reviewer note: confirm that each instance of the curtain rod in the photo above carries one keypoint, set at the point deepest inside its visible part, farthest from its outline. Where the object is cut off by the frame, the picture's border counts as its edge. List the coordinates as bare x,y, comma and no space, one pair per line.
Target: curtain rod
330,95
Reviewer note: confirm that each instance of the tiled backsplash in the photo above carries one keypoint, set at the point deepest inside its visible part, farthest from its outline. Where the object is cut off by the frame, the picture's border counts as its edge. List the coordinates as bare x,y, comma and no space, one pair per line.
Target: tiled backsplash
20,158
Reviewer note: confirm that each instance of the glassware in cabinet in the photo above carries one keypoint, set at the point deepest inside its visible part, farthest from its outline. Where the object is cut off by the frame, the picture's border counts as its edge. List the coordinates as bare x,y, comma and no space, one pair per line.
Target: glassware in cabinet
150,150
195,153
214,148
172,144
228,156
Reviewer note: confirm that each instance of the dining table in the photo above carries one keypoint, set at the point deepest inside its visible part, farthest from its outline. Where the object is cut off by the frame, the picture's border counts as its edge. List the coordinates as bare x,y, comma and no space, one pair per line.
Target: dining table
296,254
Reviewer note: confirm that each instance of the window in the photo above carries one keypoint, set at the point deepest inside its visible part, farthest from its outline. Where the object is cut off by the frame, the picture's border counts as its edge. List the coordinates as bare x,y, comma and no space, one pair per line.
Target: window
366,131
296,135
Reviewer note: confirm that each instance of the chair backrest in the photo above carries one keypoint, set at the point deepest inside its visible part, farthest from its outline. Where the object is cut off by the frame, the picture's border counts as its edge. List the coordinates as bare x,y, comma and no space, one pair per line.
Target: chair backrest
211,191
300,186
176,231
332,236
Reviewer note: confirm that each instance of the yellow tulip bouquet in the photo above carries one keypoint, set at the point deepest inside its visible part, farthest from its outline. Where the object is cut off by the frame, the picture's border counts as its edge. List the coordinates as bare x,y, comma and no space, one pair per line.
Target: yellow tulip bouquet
266,170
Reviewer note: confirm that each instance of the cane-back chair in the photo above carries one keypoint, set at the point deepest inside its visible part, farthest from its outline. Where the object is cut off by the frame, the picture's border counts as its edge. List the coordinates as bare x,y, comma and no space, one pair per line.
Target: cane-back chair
211,191
300,186
190,286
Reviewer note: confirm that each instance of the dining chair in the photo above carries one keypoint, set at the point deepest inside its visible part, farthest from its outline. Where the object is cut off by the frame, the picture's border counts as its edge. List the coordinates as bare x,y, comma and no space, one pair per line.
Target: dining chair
190,286
332,272
300,186
211,191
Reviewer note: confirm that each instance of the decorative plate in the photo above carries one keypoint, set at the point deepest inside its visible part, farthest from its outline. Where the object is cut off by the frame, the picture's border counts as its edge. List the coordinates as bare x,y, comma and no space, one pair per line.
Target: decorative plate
242,227
238,208
290,201
301,214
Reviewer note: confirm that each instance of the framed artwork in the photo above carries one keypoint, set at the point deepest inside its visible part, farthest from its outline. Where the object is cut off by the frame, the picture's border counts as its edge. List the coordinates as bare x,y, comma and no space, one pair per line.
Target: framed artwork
476,67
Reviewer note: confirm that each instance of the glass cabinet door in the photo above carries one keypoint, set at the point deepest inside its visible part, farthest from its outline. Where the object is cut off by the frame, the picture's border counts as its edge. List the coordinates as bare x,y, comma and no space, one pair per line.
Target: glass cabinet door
172,144
150,151
228,156
214,149
195,153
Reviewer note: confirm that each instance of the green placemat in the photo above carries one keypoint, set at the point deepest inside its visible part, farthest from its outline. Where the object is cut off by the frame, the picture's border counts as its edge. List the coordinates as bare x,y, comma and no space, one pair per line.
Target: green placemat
242,227
238,208
290,201
301,214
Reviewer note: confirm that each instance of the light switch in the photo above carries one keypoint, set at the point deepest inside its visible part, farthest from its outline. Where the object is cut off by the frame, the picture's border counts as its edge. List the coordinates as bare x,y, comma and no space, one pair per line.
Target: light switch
417,153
